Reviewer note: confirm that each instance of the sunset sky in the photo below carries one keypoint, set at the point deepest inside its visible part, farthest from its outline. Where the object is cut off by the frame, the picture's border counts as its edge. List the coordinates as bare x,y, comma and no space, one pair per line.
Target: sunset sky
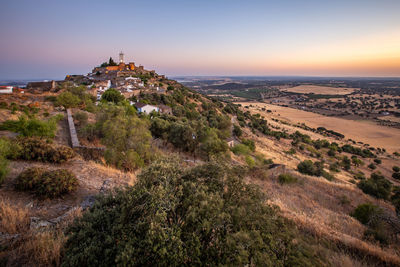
49,39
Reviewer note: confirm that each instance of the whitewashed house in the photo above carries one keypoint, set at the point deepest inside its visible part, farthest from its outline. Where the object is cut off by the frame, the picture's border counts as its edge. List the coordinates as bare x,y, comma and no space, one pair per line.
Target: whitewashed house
6,89
145,108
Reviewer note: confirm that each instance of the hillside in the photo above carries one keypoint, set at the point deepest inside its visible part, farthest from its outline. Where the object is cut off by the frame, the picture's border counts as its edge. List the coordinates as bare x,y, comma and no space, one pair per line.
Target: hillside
165,175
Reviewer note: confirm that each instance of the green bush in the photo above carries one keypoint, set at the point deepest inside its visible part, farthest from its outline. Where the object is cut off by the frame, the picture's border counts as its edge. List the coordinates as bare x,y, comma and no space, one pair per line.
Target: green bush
127,138
89,132
39,150
310,168
4,153
3,105
396,168
47,184
112,95
396,175
250,143
396,199
376,186
206,215
250,161
372,166
366,212
32,126
378,161
241,149
237,130
359,176
68,100
29,179
81,117
286,178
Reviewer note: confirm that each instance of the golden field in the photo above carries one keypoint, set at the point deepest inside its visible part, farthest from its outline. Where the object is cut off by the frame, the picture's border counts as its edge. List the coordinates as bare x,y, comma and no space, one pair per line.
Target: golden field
321,90
363,131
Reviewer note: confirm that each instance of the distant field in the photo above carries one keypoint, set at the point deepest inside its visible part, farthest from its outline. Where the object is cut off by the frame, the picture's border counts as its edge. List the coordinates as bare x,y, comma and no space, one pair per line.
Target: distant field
367,132
321,90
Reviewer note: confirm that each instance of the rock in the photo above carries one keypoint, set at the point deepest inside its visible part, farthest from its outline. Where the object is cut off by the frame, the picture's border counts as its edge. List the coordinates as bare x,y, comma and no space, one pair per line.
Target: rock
37,223
63,217
6,239
88,202
105,187
29,205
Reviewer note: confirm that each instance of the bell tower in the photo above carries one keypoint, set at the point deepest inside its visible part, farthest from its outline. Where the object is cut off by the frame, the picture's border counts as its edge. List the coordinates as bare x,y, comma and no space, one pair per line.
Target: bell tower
121,57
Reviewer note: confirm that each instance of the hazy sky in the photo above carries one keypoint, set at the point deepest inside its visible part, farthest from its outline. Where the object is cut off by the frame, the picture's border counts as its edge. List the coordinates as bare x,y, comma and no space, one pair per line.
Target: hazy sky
49,39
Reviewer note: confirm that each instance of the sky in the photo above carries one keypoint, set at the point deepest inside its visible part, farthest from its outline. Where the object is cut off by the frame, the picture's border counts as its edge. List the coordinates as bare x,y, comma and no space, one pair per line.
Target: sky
53,38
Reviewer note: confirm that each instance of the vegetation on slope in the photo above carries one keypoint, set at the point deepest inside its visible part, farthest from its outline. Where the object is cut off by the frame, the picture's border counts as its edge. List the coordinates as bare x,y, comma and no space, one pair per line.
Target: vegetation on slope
204,215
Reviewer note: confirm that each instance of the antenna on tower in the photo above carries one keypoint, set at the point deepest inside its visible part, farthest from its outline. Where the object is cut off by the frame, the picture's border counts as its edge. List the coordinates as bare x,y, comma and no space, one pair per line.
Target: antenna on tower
121,57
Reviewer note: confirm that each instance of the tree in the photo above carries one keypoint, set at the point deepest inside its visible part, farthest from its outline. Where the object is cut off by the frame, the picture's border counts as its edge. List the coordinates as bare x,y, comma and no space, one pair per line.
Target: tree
111,62
112,95
206,215
310,168
237,131
68,100
376,186
211,145
128,142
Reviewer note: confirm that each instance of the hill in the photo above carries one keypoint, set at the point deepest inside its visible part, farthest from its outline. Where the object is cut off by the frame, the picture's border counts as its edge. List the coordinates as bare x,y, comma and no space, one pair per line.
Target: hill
165,175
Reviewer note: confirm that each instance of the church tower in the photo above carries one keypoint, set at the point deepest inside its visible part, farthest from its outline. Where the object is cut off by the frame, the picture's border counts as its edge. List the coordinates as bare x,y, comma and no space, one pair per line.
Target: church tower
121,57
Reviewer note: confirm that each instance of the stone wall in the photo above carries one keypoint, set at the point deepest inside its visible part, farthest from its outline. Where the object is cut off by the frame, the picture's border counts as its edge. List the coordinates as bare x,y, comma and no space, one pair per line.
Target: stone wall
88,153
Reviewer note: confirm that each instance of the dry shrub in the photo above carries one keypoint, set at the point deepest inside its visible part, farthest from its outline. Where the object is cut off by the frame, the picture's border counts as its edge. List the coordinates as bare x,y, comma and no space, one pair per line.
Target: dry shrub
39,150
13,218
47,184
42,248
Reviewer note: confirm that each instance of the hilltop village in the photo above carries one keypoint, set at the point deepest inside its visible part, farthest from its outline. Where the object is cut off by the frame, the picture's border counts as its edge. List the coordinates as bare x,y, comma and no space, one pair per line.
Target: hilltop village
127,78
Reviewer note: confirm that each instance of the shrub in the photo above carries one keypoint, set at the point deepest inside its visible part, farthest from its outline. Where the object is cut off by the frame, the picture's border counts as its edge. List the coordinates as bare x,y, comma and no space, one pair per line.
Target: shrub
81,117
334,167
376,186
39,150
359,176
310,168
112,95
56,183
286,178
3,105
378,161
328,176
250,161
237,131
4,153
331,152
48,184
68,100
206,215
396,175
365,212
372,166
396,168
33,126
240,149
250,143
29,179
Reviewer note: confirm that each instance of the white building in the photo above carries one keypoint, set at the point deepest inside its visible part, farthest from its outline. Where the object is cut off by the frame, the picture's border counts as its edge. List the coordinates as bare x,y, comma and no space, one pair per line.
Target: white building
6,89
145,108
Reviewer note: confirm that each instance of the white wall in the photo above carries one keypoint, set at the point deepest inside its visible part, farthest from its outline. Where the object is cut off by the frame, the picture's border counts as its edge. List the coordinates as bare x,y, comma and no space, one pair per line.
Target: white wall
9,90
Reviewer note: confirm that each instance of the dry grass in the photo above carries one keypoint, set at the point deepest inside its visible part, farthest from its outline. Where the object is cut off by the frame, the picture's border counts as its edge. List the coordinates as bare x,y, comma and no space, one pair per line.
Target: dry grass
321,90
315,205
13,218
42,249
